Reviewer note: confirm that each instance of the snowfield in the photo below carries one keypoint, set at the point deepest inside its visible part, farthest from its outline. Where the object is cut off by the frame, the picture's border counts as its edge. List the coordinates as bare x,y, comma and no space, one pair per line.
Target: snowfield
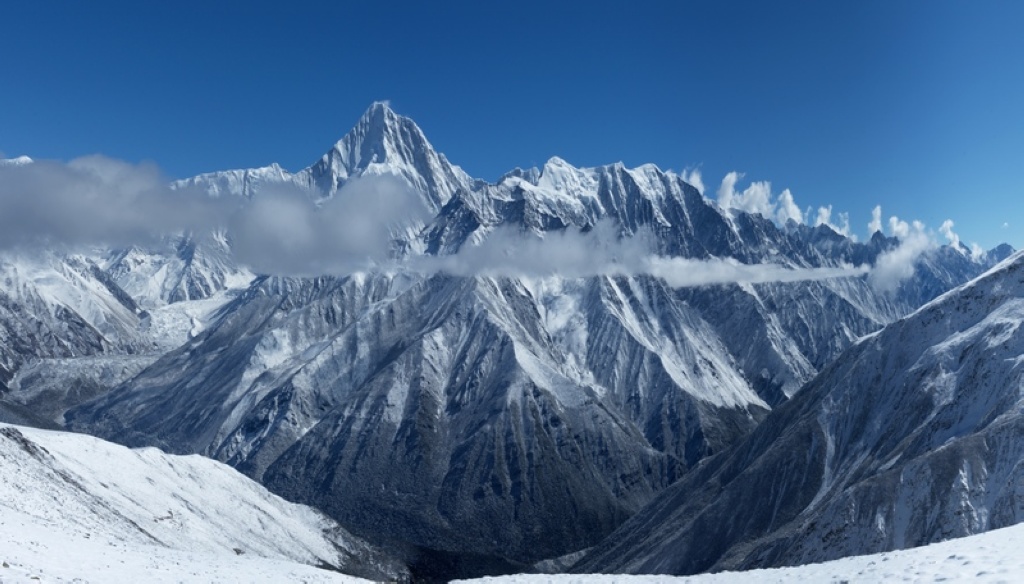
37,553
76,508
990,557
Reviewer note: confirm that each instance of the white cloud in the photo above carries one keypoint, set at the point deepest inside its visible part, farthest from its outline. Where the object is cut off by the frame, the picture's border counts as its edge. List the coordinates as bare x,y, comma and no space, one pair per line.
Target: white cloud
682,272
825,218
102,201
876,220
1006,225
788,209
283,232
946,229
977,252
693,177
601,252
758,198
727,190
894,266
98,200
507,251
898,228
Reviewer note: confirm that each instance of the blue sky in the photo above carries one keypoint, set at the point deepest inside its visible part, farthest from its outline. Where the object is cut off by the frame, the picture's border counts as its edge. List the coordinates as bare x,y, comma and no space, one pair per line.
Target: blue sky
912,105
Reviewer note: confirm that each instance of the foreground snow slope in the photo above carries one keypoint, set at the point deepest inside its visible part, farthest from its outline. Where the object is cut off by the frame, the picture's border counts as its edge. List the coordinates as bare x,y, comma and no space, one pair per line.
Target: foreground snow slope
74,505
34,553
988,557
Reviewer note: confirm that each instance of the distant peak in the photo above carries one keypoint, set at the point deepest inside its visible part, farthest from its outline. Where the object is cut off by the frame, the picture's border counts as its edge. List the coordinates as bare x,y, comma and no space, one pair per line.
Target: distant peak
378,111
556,162
380,136
384,142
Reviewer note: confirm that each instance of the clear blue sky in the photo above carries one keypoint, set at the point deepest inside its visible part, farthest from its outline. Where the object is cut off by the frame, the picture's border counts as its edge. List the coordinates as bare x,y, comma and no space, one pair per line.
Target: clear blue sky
917,106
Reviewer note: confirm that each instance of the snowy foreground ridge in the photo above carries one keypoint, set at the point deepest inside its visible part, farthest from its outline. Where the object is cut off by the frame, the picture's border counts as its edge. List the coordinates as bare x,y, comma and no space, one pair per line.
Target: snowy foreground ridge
67,530
76,508
990,557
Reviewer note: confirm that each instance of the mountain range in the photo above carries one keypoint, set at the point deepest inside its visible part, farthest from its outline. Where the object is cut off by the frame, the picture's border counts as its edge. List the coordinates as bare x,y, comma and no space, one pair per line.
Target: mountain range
478,421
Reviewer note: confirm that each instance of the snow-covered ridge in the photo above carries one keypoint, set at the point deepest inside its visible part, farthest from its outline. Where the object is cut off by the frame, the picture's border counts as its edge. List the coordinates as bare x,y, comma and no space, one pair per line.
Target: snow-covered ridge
992,557
64,497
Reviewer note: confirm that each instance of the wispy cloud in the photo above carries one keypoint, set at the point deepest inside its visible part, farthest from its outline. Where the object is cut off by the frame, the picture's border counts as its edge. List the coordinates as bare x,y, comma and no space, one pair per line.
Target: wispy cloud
876,220
898,227
825,218
897,265
946,229
977,252
600,251
682,272
758,198
693,177
788,209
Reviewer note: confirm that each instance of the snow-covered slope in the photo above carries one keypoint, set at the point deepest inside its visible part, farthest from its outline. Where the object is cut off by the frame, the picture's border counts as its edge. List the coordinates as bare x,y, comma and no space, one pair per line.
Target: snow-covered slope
187,267
72,504
62,306
992,557
440,399
912,436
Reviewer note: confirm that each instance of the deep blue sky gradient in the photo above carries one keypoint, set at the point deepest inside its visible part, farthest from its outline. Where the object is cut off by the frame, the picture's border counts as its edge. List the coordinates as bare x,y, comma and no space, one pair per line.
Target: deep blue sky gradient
917,106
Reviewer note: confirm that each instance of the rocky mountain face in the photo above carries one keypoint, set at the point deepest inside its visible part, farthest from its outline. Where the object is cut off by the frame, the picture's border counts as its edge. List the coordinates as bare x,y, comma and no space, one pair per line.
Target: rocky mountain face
501,416
912,436
54,306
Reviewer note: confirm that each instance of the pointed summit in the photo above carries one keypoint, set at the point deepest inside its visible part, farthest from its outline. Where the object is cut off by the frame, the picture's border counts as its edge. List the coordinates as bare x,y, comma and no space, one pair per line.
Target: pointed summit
381,136
383,142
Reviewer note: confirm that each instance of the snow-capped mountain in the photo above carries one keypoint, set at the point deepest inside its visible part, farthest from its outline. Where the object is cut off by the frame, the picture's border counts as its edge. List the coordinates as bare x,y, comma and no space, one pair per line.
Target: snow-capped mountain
382,142
186,267
912,436
510,417
103,502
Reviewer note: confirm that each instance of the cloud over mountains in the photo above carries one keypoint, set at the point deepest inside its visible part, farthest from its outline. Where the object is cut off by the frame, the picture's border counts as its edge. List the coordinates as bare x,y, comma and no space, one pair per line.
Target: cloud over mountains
286,230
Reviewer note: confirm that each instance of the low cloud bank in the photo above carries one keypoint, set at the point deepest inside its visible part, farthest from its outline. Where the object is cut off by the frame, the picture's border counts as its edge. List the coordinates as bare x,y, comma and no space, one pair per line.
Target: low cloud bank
282,231
97,200
601,252
285,230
